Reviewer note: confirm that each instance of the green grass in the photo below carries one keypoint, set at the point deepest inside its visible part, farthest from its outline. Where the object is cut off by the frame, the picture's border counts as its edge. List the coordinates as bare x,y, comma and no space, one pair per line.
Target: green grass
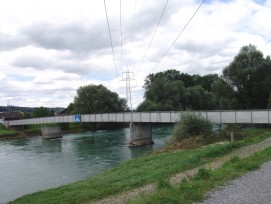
7,132
195,189
137,172
33,128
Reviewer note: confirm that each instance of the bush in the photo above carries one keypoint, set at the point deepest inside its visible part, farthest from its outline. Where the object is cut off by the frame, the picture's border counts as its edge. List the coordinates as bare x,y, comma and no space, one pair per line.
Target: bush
192,125
2,127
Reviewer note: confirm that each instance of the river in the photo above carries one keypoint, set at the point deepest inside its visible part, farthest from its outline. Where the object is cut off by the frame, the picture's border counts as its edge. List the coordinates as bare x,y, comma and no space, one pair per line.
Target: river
32,164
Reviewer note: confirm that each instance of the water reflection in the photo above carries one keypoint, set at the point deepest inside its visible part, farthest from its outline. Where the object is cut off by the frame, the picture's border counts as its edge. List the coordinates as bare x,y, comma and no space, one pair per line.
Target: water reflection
32,164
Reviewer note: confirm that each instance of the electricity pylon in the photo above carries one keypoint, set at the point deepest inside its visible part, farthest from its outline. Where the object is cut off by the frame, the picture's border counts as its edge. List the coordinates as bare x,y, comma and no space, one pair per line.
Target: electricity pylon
128,78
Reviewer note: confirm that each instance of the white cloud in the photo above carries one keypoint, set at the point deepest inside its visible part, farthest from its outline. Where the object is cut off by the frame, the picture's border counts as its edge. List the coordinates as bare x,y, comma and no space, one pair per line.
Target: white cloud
50,48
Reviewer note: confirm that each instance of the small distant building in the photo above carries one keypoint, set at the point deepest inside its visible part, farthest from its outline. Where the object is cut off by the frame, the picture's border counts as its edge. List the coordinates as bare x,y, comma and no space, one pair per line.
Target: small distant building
11,115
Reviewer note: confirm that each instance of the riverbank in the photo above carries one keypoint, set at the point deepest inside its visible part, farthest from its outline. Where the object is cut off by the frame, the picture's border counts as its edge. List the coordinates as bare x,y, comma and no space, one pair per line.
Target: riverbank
35,130
139,172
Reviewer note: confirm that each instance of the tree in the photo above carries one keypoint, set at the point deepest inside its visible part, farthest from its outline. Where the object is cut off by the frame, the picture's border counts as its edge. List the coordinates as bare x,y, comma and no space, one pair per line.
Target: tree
172,90
41,112
224,95
147,105
269,101
97,99
249,75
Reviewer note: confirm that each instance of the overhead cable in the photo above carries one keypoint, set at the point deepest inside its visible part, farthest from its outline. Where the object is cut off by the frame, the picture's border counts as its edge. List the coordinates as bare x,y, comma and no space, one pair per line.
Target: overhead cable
110,38
120,36
178,36
133,21
152,36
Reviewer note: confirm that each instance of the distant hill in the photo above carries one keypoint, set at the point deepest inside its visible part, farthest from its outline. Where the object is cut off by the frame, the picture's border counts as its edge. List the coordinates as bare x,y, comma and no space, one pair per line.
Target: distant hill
26,109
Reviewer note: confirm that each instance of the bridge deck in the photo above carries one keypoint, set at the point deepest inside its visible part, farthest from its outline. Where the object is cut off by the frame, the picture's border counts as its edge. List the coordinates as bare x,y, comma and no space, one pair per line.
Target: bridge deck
233,116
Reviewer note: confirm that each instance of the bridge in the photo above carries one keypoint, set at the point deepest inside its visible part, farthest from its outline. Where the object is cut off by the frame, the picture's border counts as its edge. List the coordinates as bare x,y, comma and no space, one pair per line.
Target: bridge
140,122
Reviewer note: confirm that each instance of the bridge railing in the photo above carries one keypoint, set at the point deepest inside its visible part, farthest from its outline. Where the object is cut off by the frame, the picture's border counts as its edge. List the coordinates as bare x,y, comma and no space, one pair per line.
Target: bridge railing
231,116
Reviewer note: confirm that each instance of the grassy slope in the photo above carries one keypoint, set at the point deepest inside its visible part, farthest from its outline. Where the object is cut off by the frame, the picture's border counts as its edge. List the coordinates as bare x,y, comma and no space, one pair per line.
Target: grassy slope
195,189
137,172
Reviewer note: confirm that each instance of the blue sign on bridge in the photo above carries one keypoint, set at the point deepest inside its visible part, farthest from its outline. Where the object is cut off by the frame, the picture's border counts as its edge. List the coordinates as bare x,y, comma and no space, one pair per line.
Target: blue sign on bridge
77,118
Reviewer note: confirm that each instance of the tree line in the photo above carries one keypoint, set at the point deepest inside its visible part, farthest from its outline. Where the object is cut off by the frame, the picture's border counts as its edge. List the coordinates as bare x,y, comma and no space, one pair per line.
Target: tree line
244,84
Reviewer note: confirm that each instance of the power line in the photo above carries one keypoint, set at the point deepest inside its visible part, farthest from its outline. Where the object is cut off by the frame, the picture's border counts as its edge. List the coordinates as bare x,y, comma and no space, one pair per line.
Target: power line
133,21
110,38
178,36
152,36
120,36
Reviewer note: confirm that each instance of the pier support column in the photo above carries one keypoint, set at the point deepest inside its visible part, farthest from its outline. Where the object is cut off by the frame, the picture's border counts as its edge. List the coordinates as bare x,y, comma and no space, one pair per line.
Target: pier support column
141,134
51,132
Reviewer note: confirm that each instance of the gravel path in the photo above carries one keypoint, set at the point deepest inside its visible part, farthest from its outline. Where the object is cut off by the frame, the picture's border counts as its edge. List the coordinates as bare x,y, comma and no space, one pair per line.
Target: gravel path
254,187
176,179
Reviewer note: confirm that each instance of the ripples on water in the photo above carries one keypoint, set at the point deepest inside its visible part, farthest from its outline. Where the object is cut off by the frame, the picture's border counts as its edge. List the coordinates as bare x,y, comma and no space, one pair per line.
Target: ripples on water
31,164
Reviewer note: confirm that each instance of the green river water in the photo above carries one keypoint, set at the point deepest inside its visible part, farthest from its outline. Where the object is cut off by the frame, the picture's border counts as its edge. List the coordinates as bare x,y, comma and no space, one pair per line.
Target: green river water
32,164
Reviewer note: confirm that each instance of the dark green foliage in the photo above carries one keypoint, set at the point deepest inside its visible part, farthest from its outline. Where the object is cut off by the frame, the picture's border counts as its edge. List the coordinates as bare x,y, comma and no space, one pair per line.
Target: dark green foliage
192,125
249,76
269,101
203,173
147,105
163,183
2,127
97,99
172,90
42,112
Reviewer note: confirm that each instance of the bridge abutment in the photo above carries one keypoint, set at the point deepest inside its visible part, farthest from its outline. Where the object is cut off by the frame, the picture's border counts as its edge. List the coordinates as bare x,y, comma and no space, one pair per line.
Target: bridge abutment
51,132
141,134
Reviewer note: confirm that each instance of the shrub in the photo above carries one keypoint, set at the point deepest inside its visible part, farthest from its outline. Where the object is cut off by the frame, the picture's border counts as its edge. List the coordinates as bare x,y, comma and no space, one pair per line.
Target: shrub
192,125
203,173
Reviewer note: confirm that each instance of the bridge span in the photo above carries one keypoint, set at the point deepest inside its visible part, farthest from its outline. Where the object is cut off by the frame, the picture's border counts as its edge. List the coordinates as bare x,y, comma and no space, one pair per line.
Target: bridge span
140,122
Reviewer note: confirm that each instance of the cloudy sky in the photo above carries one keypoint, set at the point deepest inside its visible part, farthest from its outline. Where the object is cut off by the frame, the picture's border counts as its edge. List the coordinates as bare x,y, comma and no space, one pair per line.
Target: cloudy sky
49,48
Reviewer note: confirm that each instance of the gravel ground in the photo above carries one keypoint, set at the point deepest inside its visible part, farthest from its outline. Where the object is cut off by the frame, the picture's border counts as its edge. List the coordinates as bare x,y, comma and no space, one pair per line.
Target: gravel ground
252,188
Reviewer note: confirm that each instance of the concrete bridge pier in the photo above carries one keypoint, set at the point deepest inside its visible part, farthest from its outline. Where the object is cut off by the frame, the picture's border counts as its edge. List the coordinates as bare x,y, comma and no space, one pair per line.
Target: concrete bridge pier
140,134
51,132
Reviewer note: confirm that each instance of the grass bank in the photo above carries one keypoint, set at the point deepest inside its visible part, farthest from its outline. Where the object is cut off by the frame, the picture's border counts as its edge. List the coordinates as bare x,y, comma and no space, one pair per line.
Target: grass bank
138,172
30,130
195,189
7,132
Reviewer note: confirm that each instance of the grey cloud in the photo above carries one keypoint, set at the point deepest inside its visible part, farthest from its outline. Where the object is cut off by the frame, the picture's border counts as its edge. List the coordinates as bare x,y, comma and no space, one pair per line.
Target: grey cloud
74,36
35,62
9,42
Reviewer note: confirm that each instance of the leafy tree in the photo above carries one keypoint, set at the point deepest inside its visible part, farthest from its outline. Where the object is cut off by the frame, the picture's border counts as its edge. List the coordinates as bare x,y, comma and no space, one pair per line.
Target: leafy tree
70,108
166,95
147,105
41,112
200,99
269,101
97,99
27,115
224,95
249,75
172,90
